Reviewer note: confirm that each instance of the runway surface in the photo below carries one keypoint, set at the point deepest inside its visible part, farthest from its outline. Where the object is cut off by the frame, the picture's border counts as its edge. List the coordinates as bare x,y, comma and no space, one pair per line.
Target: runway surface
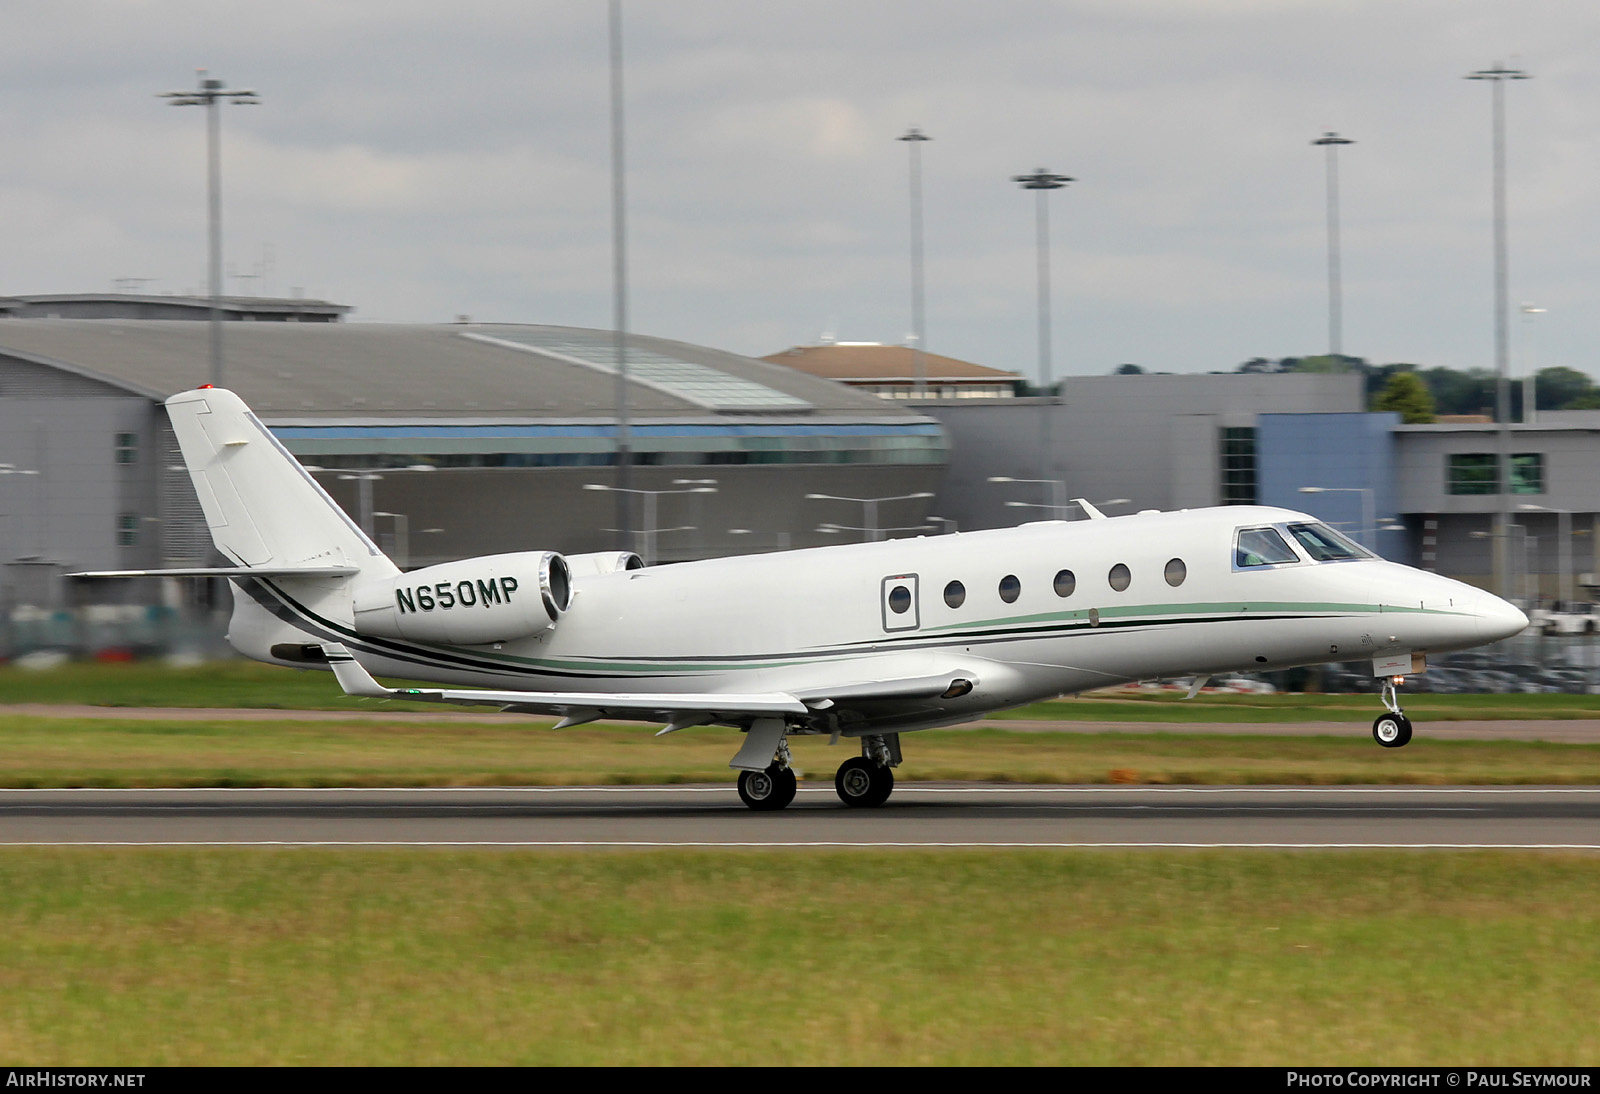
919,815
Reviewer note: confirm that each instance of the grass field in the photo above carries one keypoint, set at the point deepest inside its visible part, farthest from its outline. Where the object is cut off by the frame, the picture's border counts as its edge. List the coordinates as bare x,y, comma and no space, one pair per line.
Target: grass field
134,957
436,957
64,752
251,685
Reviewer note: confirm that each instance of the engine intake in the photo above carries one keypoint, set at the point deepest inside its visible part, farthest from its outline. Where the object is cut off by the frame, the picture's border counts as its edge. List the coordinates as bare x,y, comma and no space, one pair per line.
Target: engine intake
495,598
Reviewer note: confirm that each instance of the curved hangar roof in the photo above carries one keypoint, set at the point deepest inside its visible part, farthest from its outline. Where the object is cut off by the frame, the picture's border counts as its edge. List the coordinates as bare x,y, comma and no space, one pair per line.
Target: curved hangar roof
406,371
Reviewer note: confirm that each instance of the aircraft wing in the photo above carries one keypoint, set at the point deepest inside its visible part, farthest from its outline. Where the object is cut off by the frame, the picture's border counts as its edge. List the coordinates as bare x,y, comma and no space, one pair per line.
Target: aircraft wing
679,711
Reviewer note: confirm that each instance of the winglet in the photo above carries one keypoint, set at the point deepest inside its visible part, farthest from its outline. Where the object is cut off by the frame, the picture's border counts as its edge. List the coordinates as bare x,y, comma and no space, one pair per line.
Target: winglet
354,678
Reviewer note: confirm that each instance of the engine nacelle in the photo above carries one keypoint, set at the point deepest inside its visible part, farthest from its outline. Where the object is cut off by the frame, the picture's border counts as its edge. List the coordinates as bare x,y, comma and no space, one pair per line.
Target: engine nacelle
603,562
496,598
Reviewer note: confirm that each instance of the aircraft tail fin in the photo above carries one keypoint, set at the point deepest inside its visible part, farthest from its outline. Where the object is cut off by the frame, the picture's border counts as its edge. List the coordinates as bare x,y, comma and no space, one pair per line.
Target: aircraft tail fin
264,510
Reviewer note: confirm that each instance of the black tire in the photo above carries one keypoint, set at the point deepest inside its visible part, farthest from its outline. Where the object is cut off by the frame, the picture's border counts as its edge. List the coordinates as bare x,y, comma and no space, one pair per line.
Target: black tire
1392,730
767,790
863,784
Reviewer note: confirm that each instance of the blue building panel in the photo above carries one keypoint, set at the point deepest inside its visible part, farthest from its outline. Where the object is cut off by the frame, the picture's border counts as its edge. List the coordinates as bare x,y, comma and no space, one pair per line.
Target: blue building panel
1345,454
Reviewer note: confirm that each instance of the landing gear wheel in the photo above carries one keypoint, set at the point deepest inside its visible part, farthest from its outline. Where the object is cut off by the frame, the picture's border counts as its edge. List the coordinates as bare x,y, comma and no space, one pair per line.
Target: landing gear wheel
1391,730
767,790
860,782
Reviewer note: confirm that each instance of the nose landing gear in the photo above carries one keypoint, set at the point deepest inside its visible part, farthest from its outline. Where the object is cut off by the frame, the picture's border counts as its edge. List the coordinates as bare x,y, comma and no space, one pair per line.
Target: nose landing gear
1393,729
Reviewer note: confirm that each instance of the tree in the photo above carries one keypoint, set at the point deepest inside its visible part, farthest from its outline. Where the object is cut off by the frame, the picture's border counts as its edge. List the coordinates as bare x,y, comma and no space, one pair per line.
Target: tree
1458,392
1406,393
1127,370
1560,388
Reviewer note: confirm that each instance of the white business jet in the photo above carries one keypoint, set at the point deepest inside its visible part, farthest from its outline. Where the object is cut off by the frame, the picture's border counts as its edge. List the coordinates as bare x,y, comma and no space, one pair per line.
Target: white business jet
864,641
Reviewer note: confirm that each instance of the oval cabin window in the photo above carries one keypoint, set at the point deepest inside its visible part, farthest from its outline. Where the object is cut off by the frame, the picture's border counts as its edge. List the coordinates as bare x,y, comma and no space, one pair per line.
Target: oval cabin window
1176,571
1065,583
955,594
1010,588
1120,577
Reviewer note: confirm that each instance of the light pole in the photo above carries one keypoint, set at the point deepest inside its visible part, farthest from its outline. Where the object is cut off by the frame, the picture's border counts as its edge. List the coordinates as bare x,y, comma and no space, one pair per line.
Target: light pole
364,481
402,538
647,545
208,93
1369,517
1332,141
1042,182
869,510
697,514
1563,544
619,285
834,529
33,533
1530,394
781,540
1061,509
1514,554
914,139
1497,77
1058,490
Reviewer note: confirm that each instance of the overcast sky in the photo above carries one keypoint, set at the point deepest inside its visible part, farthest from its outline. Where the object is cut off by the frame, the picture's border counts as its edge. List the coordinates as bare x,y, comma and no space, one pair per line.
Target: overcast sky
423,160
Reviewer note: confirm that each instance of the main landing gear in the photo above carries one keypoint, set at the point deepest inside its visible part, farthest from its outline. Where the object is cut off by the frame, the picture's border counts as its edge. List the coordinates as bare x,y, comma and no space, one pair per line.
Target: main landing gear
867,780
1393,729
862,781
772,788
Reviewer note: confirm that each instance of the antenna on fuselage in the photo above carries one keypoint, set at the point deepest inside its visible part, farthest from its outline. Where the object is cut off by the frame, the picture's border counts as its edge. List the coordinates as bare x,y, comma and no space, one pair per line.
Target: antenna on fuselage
1088,510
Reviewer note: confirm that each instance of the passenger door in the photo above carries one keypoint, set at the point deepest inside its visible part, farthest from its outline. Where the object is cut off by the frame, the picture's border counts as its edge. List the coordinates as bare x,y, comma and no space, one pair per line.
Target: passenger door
897,597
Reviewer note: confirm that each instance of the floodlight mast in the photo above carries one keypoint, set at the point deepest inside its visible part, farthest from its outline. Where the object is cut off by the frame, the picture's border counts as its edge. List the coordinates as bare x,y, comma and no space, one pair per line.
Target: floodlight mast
619,282
208,92
1497,77
1042,182
914,139
1331,141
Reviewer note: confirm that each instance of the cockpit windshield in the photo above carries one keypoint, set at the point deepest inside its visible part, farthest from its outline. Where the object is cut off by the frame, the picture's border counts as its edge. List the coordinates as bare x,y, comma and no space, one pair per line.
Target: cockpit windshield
1323,544
1261,547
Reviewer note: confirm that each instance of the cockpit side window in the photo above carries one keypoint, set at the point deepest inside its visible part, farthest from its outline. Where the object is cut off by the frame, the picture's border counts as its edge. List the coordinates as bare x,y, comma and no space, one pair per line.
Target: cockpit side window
1261,547
1323,544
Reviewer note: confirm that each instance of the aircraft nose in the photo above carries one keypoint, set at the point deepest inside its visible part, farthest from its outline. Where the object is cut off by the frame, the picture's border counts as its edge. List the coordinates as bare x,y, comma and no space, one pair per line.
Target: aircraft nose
1496,618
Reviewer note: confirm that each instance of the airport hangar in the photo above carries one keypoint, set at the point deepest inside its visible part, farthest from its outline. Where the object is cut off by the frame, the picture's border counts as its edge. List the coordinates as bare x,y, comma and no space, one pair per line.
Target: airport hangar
512,421
1425,495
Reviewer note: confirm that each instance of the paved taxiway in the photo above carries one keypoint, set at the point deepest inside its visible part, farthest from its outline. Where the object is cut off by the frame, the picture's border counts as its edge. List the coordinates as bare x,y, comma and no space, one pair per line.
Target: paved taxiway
923,815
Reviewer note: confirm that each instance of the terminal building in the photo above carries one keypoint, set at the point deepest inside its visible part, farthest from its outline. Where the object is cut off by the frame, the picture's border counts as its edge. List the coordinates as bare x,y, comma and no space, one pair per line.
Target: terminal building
891,371
446,441
1425,495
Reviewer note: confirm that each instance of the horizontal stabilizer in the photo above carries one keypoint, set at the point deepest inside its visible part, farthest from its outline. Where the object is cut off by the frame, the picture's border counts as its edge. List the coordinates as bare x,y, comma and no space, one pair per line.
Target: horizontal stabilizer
356,680
229,571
